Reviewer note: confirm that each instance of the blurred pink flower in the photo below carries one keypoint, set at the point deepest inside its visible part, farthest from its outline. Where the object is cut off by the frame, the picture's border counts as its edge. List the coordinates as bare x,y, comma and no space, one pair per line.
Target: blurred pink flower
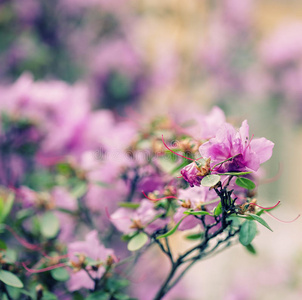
284,46
194,196
125,219
91,248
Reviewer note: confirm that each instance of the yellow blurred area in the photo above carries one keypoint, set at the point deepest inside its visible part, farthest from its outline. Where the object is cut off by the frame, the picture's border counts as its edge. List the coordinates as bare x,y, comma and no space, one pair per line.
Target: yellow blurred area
181,25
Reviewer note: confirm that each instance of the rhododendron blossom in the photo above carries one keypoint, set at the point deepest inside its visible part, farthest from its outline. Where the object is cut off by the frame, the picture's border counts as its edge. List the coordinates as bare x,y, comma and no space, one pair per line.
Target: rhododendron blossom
90,248
248,153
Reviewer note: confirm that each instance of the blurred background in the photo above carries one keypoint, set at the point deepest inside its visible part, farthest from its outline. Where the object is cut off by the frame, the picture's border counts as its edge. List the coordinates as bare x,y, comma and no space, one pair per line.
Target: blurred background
148,58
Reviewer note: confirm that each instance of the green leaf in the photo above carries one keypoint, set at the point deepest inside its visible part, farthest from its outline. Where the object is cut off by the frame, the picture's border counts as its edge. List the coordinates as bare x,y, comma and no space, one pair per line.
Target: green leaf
10,256
210,180
128,237
10,279
2,228
247,232
77,296
250,248
245,183
235,173
137,242
49,296
114,285
235,221
50,225
24,214
261,221
182,165
120,296
100,295
197,213
129,205
194,236
29,294
172,230
60,274
80,190
7,206
218,210
2,245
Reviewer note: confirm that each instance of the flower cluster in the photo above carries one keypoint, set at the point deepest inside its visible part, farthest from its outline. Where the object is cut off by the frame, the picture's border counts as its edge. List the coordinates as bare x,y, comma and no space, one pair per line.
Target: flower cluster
102,173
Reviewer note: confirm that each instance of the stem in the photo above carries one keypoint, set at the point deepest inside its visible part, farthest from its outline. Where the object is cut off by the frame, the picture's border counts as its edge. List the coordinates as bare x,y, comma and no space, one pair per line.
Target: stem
188,257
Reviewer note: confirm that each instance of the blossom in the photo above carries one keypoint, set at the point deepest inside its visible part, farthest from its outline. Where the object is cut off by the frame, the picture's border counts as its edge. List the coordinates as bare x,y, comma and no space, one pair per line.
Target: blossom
194,198
91,248
195,171
247,154
128,220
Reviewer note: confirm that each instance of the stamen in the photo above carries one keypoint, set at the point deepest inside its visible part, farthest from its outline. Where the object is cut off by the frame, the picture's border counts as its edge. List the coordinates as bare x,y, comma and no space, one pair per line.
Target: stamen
266,207
167,197
107,213
162,137
44,269
281,220
250,140
22,241
274,178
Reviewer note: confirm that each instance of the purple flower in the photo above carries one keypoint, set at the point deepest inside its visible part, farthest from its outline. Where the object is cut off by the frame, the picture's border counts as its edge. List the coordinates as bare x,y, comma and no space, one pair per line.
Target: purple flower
229,143
91,248
195,171
189,173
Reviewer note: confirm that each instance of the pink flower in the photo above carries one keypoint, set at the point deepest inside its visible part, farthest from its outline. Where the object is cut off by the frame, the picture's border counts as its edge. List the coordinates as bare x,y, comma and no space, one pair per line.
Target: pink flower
193,198
91,248
129,220
229,143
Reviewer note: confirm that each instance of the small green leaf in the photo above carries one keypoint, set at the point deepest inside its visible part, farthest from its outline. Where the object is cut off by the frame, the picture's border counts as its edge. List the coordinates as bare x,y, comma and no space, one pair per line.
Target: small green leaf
50,225
2,245
10,256
137,242
29,294
194,236
80,190
128,237
120,296
100,295
14,292
247,232
196,213
24,214
245,183
182,165
7,206
235,221
49,296
60,274
261,221
130,205
172,230
235,173
10,279
250,248
210,180
218,210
